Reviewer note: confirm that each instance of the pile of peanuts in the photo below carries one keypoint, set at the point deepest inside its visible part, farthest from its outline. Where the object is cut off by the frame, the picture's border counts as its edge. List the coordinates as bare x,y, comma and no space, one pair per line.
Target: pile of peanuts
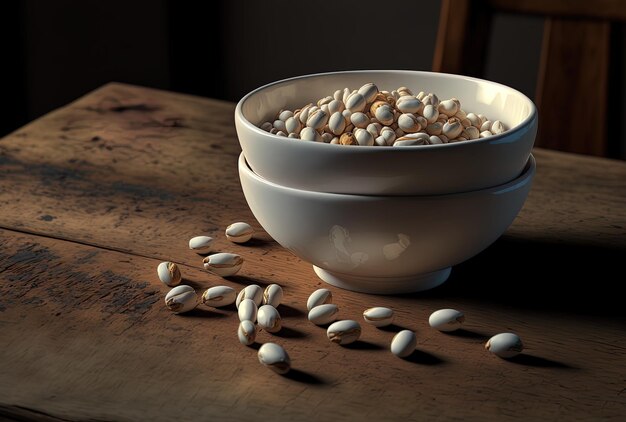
370,117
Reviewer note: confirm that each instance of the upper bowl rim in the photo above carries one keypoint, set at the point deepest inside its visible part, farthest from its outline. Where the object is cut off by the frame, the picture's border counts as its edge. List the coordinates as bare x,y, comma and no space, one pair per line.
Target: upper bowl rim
524,177
363,149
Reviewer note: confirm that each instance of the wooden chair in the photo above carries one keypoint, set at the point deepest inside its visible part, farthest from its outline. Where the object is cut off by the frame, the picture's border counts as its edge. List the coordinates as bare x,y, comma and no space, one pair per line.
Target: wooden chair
573,79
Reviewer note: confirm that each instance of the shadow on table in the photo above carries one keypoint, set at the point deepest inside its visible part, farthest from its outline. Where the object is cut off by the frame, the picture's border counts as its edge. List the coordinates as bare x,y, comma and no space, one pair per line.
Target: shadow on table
304,377
464,333
538,361
535,274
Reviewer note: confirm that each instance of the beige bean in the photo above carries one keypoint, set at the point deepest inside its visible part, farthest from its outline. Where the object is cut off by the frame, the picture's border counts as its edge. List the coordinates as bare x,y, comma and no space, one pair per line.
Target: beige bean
431,99
434,128
346,93
408,123
412,139
374,129
453,127
369,92
384,114
422,121
324,100
304,113
359,120
285,114
430,113
335,106
239,232
403,90
337,123
448,107
474,119
355,102
471,132
169,273
380,141
317,119
293,125
376,105
409,104
460,114
280,125
497,127
181,299
310,134
274,357
363,137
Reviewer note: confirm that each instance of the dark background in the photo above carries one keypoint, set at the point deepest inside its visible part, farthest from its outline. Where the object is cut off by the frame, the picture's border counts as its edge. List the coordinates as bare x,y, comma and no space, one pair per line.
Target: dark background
56,51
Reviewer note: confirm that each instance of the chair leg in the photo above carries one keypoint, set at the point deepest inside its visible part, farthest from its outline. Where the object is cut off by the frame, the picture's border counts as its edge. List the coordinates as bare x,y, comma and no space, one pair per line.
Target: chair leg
572,86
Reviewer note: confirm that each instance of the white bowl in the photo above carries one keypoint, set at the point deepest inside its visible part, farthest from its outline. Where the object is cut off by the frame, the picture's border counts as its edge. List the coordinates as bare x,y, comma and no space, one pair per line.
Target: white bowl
416,170
384,244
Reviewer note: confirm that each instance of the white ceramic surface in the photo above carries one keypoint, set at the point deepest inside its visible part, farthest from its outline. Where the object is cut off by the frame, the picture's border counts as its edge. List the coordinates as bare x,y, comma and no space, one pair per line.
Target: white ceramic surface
384,244
415,170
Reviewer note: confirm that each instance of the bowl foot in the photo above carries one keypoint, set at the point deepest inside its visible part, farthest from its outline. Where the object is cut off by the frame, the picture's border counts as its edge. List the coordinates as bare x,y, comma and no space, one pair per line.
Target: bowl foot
384,285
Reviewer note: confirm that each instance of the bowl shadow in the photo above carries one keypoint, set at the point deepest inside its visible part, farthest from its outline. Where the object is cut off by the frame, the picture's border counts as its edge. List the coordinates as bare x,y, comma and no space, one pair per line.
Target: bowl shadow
540,274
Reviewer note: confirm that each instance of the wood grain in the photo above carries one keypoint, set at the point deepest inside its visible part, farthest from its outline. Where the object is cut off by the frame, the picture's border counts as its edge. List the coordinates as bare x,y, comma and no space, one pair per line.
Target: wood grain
95,194
580,50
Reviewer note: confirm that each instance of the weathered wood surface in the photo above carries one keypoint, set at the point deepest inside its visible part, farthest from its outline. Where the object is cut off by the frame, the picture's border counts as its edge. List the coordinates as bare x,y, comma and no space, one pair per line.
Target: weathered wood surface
94,195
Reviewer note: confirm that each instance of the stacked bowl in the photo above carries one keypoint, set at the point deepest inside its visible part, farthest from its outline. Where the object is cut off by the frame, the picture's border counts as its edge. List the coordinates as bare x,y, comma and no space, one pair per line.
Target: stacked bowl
385,219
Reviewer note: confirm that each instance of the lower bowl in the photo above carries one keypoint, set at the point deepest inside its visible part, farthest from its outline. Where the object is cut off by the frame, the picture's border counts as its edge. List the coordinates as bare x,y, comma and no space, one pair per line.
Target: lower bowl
384,244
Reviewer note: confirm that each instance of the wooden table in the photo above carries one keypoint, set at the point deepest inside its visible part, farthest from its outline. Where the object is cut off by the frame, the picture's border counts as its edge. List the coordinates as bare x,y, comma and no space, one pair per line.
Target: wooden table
94,195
